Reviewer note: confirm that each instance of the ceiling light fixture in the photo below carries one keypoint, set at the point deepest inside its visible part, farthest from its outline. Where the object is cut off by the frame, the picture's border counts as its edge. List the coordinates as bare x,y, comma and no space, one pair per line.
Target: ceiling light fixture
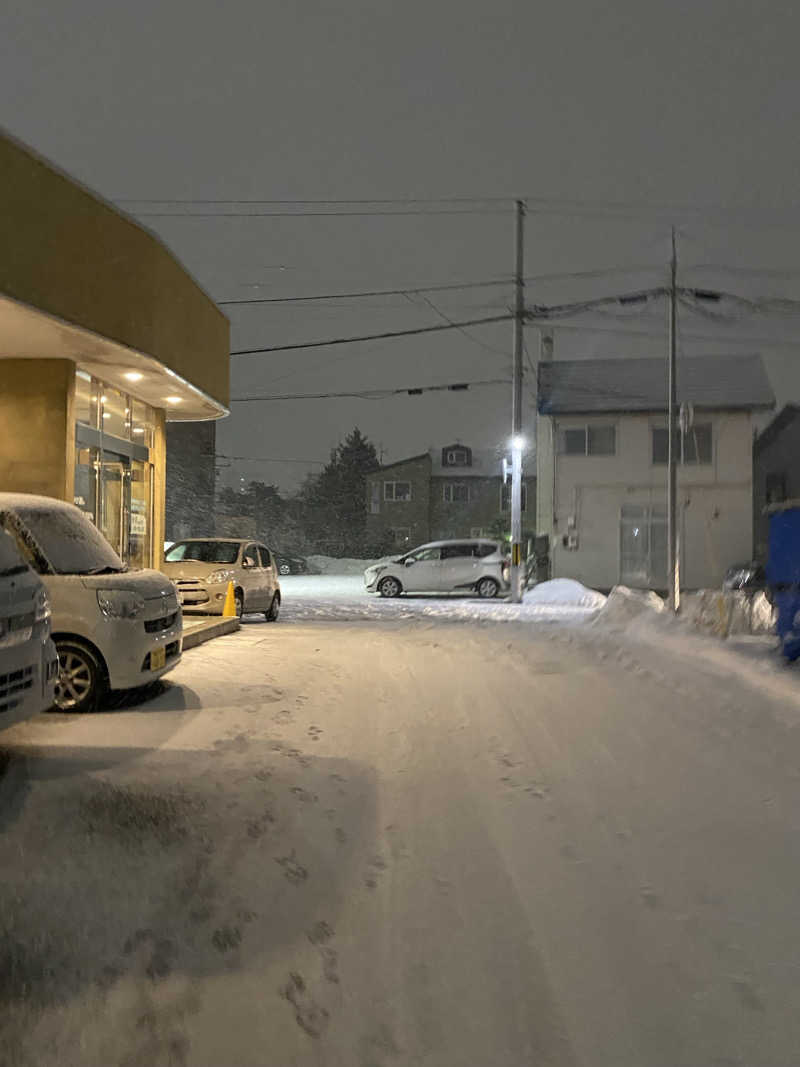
132,376
173,399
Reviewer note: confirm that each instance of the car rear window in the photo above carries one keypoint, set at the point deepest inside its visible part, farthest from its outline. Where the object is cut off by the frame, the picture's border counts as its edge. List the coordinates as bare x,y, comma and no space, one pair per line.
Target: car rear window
486,550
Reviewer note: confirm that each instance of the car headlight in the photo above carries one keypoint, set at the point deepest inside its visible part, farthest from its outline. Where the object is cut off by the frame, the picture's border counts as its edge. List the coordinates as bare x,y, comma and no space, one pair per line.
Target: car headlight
220,576
119,603
42,607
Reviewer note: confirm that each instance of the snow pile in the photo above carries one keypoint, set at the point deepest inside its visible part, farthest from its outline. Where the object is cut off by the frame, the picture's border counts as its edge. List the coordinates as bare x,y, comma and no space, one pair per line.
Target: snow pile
727,613
564,591
623,605
329,565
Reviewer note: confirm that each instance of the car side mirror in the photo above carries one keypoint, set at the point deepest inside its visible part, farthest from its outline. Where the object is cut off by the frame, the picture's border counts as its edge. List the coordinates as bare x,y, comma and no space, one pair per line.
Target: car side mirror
410,562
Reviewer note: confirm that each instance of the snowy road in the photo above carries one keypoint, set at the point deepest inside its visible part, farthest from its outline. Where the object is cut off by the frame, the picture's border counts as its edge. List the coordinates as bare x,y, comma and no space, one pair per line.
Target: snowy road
406,842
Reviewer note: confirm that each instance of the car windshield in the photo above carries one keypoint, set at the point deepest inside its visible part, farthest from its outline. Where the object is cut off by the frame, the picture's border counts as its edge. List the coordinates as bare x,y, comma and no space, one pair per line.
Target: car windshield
68,541
10,560
203,552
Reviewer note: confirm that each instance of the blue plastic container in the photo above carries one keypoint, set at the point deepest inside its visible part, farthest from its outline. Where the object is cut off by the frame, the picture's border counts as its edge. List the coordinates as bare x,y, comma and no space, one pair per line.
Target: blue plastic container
783,575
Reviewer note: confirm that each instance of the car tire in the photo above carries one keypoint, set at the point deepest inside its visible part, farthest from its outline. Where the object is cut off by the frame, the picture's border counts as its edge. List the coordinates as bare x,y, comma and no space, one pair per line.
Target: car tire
487,588
81,678
274,609
284,569
389,587
238,600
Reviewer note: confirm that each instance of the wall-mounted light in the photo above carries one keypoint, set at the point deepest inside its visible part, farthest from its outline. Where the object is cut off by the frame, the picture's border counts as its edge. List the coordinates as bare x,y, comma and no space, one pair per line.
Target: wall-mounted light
138,429
132,376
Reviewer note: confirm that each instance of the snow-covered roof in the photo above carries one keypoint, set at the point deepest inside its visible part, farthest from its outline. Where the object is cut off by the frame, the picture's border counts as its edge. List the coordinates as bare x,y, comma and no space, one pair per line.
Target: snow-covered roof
582,386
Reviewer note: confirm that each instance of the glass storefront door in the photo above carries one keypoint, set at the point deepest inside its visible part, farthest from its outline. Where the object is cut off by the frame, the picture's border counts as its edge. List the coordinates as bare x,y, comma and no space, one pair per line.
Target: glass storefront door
113,473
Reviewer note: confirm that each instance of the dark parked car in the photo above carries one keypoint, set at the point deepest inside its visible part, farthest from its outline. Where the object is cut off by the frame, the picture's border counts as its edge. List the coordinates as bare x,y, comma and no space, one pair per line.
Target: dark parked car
290,564
747,577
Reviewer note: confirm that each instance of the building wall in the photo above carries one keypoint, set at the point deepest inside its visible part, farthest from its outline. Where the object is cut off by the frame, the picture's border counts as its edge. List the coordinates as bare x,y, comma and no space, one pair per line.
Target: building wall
413,514
449,520
190,481
715,500
70,254
781,456
36,426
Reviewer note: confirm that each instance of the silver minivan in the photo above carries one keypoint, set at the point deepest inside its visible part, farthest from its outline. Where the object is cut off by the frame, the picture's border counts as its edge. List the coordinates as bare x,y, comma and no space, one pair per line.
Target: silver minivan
113,628
468,565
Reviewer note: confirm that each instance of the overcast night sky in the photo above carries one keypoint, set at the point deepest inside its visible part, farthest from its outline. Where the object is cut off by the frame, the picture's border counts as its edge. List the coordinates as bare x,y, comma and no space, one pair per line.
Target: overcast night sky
645,105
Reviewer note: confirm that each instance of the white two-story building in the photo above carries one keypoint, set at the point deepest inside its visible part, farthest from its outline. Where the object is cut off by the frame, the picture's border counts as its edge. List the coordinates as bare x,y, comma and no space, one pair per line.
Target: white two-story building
602,467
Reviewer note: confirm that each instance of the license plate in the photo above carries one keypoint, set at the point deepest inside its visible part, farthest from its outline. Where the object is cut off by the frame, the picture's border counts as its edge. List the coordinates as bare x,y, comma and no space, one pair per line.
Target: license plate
158,659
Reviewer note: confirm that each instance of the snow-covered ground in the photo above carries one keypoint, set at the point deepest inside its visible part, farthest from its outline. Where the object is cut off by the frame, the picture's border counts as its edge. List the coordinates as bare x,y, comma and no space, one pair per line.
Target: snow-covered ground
342,597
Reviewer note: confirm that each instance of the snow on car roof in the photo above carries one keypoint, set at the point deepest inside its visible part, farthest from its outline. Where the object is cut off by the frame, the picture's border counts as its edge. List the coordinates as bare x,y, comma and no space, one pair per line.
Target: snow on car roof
34,502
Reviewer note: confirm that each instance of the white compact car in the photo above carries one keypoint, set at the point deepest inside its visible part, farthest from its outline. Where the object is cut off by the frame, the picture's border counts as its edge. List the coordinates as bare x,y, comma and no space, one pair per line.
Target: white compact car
28,660
113,628
475,565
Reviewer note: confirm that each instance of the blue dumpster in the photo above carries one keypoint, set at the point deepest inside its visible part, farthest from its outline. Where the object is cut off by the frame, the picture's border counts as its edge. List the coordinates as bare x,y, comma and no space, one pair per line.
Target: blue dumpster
783,573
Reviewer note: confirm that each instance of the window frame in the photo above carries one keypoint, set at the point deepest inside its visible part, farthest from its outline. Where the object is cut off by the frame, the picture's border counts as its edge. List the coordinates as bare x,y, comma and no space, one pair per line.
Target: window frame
451,486
394,498
452,461
586,429
680,440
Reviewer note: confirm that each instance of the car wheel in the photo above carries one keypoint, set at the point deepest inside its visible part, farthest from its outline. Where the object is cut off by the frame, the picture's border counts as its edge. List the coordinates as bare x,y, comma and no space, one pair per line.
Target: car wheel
238,600
274,609
487,588
389,587
81,678
284,569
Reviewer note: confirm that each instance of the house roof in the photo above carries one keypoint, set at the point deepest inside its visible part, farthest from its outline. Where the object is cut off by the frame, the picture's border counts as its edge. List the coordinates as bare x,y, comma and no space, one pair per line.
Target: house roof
775,428
730,383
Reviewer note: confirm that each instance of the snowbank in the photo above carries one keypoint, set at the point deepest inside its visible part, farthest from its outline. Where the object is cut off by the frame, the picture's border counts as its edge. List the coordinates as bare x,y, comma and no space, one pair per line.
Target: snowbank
564,591
623,605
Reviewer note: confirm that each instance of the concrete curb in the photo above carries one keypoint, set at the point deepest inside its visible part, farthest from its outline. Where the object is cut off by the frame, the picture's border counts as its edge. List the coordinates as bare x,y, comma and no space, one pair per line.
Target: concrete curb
208,630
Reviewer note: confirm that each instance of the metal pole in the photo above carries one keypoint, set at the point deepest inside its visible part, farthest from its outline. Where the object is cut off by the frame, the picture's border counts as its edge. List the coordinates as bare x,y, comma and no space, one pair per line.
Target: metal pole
674,574
517,442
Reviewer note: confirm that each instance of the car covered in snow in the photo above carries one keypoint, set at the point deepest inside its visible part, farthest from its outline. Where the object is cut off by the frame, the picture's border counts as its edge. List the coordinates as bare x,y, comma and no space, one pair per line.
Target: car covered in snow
113,628
474,565
28,659
203,567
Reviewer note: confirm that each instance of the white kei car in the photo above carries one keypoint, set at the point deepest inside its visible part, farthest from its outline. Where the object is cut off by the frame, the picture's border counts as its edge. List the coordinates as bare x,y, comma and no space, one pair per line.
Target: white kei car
28,660
469,565
113,628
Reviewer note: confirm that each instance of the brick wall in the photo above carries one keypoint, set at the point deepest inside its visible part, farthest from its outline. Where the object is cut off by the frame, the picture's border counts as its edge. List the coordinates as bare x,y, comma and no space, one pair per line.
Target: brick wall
411,515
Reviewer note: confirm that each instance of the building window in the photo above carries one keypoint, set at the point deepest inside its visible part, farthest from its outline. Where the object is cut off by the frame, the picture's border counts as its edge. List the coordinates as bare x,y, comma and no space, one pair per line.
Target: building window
505,497
776,487
455,493
693,447
477,531
397,490
588,440
456,457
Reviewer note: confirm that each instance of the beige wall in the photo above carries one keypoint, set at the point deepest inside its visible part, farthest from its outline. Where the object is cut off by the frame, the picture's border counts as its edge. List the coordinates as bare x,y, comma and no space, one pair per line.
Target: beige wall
37,441
158,457
71,255
715,499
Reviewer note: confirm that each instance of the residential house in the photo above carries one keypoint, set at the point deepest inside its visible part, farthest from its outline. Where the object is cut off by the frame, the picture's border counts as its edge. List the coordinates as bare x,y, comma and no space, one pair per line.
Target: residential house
602,467
776,471
448,492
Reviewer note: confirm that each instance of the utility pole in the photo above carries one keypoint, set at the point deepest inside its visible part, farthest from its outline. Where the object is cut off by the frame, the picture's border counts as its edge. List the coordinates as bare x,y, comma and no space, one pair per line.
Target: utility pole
517,442
673,555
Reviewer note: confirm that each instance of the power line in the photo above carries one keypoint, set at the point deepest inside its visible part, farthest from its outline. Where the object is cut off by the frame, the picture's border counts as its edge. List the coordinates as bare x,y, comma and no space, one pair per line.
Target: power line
359,212
369,293
385,200
469,336
563,276
374,336
268,459
376,394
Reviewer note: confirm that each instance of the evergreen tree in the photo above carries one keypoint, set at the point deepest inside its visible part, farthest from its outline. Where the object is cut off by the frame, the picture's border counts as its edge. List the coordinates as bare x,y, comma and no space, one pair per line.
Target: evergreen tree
333,502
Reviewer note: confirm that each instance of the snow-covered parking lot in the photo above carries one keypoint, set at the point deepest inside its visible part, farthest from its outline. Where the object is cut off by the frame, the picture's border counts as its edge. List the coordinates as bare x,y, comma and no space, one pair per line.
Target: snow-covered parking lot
344,598
426,833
